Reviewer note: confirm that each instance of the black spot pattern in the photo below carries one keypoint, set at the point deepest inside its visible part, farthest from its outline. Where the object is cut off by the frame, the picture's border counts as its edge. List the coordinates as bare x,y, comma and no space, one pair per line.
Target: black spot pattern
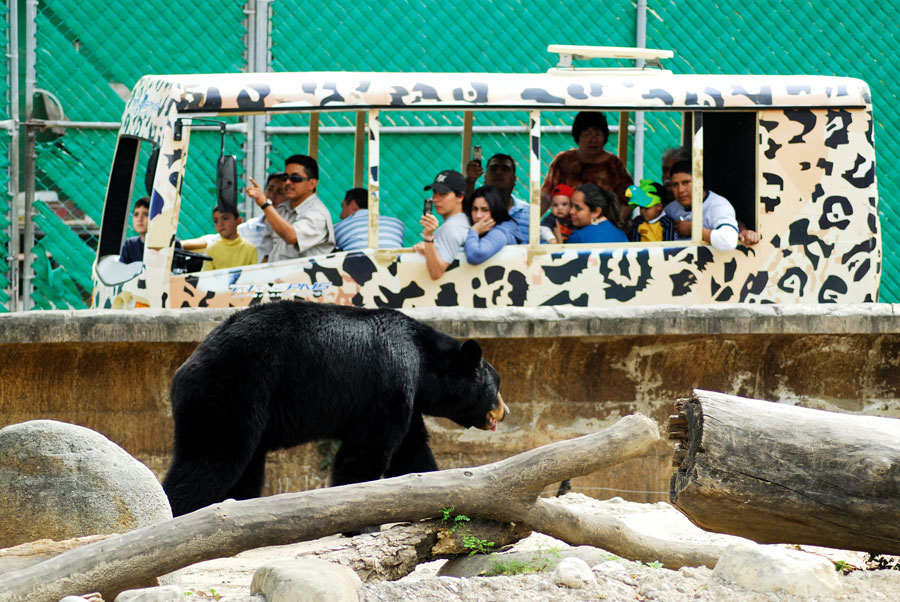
359,267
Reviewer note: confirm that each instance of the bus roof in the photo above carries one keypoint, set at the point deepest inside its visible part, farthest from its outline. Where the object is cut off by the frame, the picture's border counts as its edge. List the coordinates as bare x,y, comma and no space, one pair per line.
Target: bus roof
156,97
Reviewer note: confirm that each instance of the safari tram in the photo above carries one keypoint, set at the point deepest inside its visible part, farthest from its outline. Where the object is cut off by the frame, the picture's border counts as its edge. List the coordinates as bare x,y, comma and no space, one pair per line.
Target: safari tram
794,154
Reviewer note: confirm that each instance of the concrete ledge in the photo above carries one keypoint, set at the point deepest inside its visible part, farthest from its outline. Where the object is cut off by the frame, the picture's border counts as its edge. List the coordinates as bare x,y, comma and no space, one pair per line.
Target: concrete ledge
192,325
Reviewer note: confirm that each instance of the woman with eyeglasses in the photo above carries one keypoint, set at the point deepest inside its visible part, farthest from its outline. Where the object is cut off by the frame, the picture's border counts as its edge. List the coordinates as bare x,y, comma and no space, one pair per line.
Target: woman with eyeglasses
588,162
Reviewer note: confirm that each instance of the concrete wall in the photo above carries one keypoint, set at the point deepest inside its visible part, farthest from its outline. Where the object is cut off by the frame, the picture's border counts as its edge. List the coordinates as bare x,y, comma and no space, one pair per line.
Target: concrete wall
565,372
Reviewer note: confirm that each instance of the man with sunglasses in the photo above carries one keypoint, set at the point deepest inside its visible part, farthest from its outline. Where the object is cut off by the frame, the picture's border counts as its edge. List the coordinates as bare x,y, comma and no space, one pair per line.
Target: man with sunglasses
301,225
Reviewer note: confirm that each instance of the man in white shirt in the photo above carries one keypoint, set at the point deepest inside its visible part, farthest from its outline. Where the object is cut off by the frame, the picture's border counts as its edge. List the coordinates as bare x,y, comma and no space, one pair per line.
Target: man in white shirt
720,226
441,245
301,226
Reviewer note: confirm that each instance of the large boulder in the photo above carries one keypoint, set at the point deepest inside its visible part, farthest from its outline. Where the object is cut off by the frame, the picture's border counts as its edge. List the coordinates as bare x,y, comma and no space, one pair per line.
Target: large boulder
60,481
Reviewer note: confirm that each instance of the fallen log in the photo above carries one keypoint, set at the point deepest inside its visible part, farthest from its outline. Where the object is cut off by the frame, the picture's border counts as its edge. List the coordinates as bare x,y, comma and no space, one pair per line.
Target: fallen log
776,473
394,553
506,491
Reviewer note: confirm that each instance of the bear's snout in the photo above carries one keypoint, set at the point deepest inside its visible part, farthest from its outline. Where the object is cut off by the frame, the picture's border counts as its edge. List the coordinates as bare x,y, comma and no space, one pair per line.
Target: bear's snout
496,416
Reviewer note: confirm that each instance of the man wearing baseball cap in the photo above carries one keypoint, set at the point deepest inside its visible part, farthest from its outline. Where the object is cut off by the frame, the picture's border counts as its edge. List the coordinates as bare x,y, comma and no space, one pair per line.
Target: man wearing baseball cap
441,244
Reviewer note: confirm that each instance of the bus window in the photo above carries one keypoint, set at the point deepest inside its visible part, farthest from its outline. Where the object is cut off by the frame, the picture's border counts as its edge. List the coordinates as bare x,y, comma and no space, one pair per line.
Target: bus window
729,160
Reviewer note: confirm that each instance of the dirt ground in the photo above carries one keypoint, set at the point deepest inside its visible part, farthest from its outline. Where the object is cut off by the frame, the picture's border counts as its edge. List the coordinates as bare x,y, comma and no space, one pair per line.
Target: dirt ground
616,578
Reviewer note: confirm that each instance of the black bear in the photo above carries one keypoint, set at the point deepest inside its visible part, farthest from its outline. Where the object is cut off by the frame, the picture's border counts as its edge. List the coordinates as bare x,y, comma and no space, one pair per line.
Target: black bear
279,374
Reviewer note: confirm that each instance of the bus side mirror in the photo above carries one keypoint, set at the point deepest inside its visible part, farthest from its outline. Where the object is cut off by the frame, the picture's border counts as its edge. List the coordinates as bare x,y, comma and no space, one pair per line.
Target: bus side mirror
150,174
226,182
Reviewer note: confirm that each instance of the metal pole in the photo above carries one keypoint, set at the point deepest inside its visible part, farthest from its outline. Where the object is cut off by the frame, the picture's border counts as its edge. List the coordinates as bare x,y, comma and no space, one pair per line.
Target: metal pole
258,143
639,115
30,154
426,129
12,257
257,53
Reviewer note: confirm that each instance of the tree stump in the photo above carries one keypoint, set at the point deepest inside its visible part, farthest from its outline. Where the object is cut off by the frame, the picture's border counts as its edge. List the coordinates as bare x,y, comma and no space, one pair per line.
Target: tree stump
776,473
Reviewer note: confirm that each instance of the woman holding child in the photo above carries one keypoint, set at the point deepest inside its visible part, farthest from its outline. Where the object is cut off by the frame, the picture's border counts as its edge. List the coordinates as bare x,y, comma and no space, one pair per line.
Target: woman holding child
596,216
492,227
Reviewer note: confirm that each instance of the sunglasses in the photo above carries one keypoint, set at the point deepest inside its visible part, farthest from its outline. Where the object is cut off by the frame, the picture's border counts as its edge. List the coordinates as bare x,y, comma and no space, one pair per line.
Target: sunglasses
293,178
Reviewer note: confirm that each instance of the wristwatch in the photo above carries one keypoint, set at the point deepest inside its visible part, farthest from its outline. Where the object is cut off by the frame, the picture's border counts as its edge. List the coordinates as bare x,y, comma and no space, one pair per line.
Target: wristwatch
268,203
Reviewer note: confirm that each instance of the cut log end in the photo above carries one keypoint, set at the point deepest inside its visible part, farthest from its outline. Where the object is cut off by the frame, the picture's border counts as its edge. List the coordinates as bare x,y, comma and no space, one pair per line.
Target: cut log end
686,429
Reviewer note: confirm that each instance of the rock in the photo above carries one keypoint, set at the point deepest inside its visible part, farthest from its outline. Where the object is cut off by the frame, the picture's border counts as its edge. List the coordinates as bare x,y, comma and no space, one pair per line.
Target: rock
166,593
61,481
769,569
609,567
536,561
306,580
172,593
574,573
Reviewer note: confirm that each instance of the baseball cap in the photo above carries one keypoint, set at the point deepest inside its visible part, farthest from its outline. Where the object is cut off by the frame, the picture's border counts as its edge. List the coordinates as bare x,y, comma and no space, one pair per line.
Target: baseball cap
563,190
648,194
448,180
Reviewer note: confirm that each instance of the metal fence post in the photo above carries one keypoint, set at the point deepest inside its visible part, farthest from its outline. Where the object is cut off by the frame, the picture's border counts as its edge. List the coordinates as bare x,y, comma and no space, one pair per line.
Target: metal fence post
640,42
257,52
30,154
12,257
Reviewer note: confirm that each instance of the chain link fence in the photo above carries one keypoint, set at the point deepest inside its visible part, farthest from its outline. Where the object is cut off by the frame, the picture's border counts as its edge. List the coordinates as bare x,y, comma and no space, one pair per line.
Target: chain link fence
88,54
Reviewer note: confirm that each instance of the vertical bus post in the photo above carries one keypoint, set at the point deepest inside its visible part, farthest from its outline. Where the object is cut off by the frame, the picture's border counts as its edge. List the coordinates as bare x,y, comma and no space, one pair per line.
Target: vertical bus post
468,121
374,176
534,178
313,136
697,178
623,137
359,146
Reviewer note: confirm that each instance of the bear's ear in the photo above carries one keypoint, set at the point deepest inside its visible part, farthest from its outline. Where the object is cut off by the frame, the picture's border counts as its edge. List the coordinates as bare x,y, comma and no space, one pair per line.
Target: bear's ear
470,355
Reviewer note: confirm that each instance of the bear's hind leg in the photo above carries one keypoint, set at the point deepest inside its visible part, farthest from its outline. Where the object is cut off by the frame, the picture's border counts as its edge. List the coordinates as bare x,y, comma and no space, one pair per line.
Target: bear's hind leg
202,474
413,455
250,484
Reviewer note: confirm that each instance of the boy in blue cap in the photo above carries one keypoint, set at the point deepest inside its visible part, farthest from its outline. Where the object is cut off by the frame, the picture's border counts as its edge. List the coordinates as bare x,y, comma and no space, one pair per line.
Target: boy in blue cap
652,224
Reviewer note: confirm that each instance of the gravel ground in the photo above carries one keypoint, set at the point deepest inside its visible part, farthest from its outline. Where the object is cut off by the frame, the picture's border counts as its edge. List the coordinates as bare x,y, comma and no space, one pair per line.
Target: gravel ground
615,578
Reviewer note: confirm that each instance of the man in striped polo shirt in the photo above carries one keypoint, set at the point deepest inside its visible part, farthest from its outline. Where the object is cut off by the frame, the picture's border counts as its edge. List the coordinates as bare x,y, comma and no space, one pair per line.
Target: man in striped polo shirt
352,232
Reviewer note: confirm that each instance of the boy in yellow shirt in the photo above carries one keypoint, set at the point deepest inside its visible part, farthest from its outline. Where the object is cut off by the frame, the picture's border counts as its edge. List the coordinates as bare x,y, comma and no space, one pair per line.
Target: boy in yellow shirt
230,251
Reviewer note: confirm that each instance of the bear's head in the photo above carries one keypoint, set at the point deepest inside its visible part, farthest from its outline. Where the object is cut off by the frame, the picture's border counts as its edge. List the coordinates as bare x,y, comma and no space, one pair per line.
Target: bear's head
469,390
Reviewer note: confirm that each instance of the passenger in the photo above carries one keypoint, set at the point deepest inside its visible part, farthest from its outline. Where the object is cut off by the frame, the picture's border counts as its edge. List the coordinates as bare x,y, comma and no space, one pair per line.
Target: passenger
352,232
596,215
251,230
670,157
556,225
133,247
588,162
254,229
441,244
501,174
231,250
720,227
301,226
652,224
492,227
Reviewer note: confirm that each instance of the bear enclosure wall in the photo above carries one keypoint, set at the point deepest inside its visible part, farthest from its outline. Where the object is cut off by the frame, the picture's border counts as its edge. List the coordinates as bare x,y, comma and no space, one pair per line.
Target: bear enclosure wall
565,373
71,65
